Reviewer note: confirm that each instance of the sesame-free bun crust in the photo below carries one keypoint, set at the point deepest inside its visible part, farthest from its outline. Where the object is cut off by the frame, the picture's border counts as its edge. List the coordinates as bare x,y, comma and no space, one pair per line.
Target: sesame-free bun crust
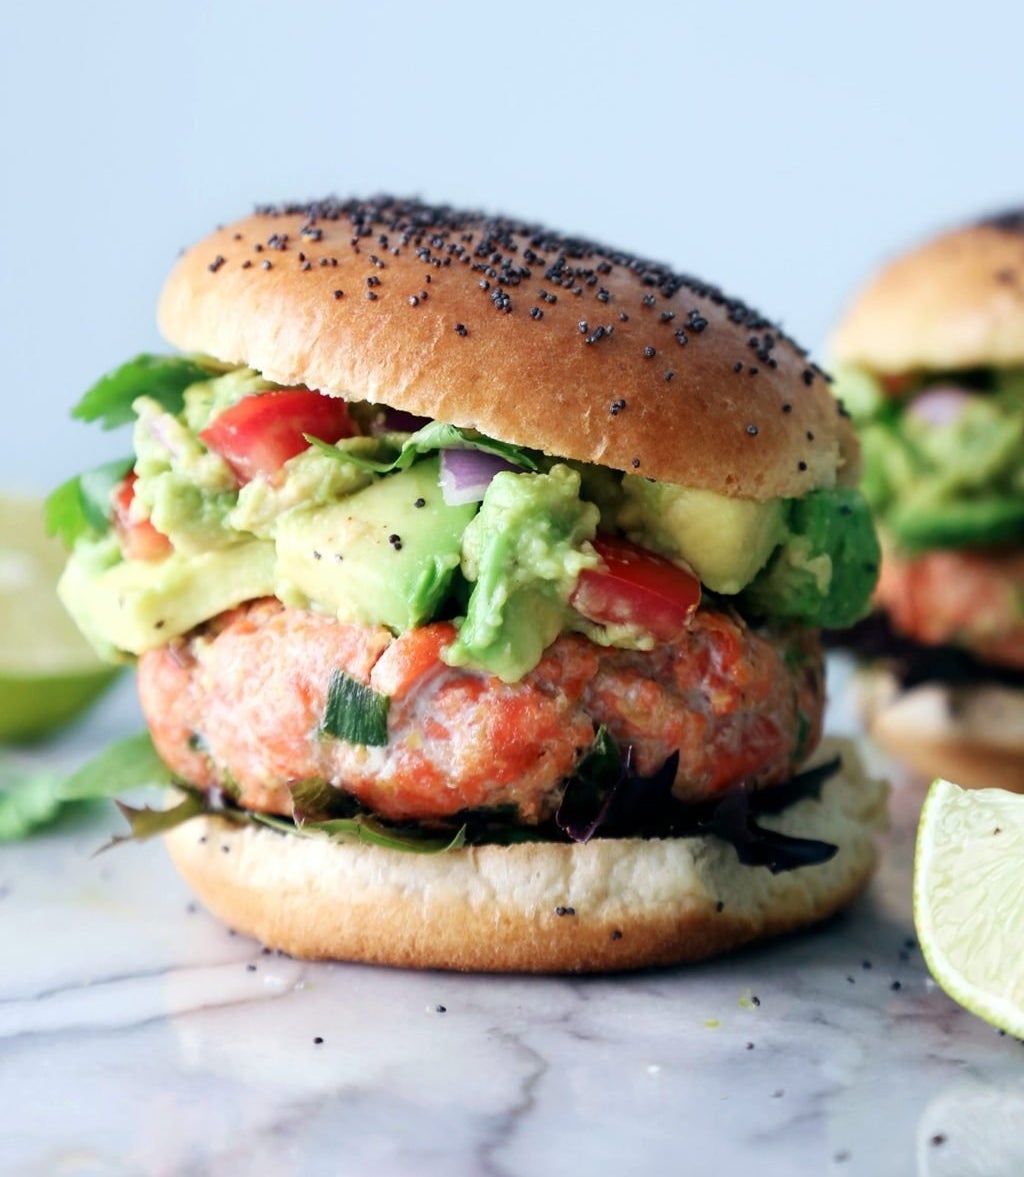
970,734
607,905
955,302
546,341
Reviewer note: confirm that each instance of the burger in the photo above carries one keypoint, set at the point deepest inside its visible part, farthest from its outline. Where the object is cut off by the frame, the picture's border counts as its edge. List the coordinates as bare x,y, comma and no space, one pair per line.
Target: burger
930,359
474,575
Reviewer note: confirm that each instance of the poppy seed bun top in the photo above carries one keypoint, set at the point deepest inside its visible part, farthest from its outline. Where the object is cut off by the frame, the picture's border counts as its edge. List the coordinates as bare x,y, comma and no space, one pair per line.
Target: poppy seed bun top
955,302
546,341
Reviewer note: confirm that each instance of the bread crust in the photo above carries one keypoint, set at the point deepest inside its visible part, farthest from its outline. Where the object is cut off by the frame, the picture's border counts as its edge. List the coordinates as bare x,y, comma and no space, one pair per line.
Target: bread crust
542,340
957,301
607,905
970,734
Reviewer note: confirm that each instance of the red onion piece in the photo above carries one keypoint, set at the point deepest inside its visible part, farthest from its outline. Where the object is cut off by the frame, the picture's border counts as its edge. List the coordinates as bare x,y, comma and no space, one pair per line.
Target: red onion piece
398,421
940,404
466,474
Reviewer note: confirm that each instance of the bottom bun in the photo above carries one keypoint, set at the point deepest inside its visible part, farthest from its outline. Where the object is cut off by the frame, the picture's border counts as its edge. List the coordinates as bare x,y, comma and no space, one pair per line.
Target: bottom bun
532,907
971,735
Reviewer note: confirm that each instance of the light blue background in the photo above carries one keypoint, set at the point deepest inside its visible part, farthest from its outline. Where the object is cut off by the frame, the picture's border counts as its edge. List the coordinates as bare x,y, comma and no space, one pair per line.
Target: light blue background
779,150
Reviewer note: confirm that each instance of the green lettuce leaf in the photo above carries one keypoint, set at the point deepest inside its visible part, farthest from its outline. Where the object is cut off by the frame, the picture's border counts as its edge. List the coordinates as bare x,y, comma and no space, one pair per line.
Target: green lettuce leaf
363,828
29,800
123,765
145,822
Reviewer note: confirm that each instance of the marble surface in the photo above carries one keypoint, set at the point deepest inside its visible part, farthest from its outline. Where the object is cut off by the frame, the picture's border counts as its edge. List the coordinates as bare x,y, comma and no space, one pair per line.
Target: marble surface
137,1036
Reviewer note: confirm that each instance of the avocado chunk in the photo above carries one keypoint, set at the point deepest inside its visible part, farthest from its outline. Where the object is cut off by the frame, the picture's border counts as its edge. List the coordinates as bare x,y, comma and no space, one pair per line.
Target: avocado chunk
825,571
136,605
986,521
382,556
725,541
523,554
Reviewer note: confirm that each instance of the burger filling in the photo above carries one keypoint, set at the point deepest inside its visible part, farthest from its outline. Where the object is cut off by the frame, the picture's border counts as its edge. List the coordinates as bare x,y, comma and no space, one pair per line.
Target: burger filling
422,623
943,461
244,704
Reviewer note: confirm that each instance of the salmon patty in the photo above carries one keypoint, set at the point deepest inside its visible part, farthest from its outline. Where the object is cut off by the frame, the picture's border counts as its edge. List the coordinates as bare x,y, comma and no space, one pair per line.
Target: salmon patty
968,598
239,704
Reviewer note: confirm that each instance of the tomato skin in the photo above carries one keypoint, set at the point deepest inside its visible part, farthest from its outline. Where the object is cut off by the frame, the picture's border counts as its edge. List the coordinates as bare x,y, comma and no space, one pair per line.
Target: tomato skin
140,540
637,587
261,432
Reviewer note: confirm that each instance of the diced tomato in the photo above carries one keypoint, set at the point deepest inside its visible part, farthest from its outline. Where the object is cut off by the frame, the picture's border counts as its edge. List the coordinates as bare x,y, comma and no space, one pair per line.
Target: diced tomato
637,587
140,540
260,433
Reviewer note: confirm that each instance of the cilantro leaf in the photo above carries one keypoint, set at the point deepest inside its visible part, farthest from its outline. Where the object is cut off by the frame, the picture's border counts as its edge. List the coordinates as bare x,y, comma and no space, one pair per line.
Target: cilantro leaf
81,506
355,712
164,378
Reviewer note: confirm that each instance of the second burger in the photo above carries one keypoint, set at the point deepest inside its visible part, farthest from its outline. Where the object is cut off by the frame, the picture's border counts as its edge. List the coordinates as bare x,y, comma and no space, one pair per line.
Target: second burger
930,359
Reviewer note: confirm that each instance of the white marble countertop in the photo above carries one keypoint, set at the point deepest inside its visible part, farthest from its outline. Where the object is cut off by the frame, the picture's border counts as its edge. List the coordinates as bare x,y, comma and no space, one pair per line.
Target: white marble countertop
137,1036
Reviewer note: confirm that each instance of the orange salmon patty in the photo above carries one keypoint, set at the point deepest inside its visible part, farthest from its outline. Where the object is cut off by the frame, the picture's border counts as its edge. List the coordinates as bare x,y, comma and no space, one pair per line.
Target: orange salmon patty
968,598
239,704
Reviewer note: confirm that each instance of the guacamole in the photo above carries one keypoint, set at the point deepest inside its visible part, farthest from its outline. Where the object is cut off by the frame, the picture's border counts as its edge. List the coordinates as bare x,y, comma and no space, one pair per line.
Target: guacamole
361,529
943,463
523,553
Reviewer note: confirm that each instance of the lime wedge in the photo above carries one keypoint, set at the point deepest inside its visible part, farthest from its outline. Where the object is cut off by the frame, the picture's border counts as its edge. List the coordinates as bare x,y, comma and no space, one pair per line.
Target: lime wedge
969,899
48,672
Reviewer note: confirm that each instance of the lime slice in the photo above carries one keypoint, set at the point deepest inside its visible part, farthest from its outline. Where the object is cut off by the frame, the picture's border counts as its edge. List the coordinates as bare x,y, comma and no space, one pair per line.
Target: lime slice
48,672
969,899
